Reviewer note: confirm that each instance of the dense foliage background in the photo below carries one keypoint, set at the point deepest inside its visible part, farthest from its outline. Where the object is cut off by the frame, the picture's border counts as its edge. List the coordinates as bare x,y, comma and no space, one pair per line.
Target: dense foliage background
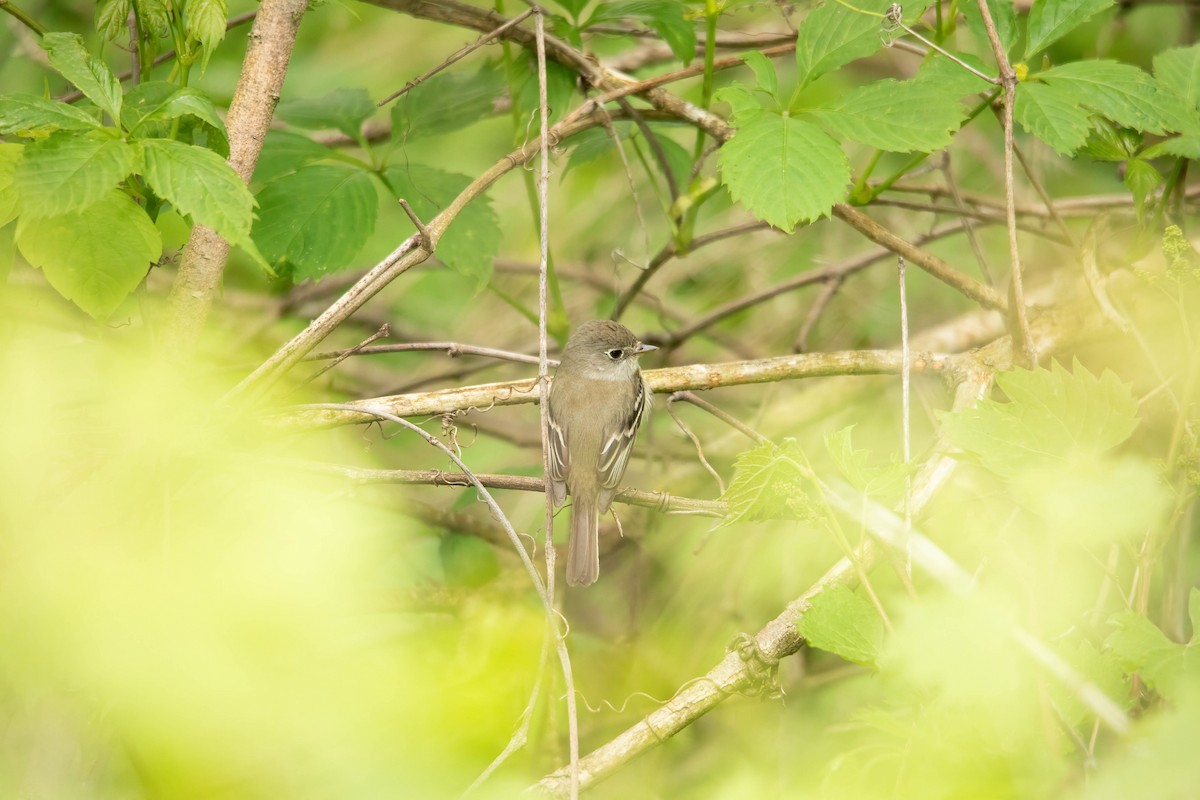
967,568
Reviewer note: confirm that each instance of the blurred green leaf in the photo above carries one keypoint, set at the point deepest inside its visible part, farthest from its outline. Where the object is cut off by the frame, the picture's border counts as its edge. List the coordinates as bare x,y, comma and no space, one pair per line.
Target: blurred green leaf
885,482
93,77
1140,647
10,156
1095,666
285,152
1142,179
111,16
666,17
315,220
1050,20
446,102
96,256
1177,72
471,242
25,113
68,172
343,109
952,78
845,624
1003,15
784,170
769,482
467,560
560,86
1053,417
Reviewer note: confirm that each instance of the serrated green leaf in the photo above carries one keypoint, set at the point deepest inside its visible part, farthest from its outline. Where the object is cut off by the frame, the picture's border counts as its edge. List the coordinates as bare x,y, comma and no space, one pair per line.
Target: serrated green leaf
666,17
10,156
91,75
202,186
342,109
1097,667
745,104
1142,178
1050,20
784,170
470,244
1121,92
153,17
1140,647
1179,146
769,482
1052,115
1053,418
952,78
834,34
206,20
446,102
1003,15
898,116
285,152
1177,72
111,16
315,220
94,257
158,101
842,622
764,72
69,171
1109,142
23,112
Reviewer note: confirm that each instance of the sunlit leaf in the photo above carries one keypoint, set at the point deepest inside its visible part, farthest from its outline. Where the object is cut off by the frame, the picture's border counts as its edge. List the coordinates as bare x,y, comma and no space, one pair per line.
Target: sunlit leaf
93,77
844,623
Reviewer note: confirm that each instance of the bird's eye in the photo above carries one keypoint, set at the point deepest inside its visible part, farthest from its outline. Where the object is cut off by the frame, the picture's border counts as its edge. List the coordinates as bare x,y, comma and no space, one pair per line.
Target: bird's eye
615,353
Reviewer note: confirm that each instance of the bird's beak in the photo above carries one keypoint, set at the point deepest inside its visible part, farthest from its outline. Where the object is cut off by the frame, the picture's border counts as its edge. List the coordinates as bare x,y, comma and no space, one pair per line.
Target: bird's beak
644,348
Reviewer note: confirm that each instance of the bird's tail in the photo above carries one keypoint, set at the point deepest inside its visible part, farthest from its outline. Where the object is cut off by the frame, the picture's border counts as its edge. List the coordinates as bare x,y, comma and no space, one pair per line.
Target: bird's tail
583,548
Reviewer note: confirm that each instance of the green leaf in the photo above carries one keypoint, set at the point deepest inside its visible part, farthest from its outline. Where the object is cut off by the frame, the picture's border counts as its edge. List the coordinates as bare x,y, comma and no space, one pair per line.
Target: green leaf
784,170
111,16
1179,146
769,482
1050,20
1003,15
285,152
315,220
10,156
1121,92
1142,179
1053,418
68,172
834,34
745,104
201,185
1097,667
843,623
206,20
764,71
92,76
573,7
666,17
1109,142
342,109
560,85
20,113
858,466
446,102
1052,115
1177,72
1139,646
158,101
898,116
94,257
472,240
153,17
953,78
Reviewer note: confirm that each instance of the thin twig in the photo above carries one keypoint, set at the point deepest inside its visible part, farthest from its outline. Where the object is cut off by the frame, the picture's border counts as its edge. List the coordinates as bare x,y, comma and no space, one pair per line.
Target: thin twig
1018,315
656,147
458,56
383,331
452,349
968,225
828,290
695,440
724,416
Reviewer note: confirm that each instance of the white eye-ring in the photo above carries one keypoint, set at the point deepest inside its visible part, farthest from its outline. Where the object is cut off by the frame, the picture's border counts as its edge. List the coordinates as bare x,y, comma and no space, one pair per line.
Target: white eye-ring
615,353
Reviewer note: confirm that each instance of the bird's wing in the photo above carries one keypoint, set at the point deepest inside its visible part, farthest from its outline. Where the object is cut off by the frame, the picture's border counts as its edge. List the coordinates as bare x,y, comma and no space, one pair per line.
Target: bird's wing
614,454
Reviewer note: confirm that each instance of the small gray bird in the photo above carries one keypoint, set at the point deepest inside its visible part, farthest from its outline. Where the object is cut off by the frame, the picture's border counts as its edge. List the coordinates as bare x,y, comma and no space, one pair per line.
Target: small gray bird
597,401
